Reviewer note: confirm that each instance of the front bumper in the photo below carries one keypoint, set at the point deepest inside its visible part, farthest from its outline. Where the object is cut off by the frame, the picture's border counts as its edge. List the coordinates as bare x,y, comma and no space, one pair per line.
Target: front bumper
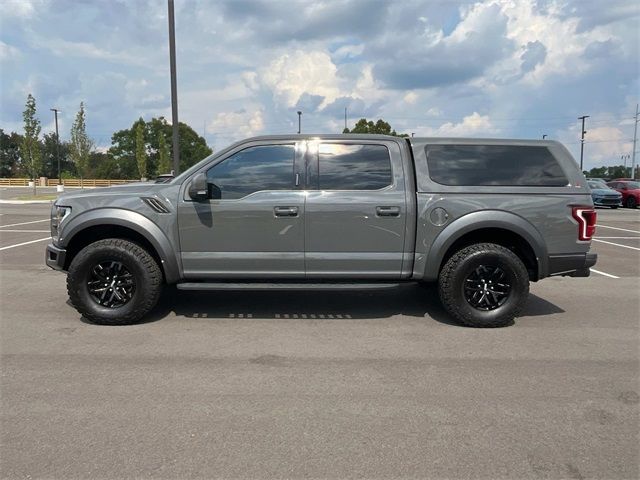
55,257
607,201
574,265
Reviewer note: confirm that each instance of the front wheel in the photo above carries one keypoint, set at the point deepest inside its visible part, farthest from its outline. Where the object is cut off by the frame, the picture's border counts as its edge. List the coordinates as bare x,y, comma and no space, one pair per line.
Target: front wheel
114,282
631,202
484,285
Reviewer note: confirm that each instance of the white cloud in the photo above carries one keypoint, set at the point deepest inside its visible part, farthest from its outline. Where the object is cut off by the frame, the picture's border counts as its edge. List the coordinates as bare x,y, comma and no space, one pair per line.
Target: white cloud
7,51
565,46
238,124
410,98
291,75
470,126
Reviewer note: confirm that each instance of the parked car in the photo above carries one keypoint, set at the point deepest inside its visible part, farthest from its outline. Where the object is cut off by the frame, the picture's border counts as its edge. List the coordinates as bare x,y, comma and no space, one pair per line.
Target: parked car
630,191
482,218
604,196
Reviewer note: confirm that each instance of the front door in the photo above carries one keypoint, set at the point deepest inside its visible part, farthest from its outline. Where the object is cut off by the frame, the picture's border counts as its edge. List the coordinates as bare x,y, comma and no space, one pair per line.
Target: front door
253,226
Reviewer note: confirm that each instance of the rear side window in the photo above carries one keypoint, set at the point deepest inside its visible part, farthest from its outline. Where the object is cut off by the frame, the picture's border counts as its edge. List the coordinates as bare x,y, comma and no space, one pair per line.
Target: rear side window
506,165
353,167
268,167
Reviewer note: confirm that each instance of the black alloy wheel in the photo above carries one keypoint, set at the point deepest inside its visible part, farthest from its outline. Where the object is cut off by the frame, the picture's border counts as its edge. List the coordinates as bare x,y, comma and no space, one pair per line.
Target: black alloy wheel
487,287
111,284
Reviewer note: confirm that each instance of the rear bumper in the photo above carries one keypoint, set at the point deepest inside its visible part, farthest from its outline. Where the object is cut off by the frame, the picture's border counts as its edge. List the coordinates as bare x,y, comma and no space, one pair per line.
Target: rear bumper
55,257
574,265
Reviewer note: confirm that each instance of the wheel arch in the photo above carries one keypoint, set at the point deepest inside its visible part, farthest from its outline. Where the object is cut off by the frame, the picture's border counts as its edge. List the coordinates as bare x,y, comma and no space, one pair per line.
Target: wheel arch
499,227
99,224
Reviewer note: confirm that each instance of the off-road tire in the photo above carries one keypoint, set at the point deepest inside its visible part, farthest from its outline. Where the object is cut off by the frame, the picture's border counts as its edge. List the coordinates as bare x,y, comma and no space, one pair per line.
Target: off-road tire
143,267
631,202
463,263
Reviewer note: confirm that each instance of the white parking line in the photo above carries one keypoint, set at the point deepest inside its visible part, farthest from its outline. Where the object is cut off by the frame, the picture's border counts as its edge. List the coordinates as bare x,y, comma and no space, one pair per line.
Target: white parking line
24,243
602,273
617,228
24,223
45,231
622,238
617,244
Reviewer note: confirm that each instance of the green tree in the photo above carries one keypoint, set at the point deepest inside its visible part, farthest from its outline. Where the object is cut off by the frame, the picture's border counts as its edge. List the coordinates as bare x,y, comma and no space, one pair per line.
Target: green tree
141,151
380,127
50,157
81,144
30,146
10,165
164,158
193,147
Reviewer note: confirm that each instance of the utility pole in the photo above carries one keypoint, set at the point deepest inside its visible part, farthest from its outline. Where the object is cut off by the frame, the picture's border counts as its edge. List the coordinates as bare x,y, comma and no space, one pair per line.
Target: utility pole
624,158
55,112
299,120
633,154
582,139
345,118
174,90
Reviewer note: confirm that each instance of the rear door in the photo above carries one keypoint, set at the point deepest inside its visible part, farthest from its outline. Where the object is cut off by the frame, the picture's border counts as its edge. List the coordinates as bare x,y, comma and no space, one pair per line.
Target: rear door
254,225
356,209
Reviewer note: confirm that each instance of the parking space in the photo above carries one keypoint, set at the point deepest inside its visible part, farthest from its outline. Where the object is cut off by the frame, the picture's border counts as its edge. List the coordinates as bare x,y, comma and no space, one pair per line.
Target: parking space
265,385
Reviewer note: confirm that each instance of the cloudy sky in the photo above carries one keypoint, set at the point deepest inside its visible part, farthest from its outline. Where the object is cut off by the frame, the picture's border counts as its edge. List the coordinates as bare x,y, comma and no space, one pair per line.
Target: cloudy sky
517,68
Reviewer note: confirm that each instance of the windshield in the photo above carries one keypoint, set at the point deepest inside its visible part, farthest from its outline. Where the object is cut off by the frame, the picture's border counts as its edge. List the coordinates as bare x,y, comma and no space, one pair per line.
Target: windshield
632,185
594,184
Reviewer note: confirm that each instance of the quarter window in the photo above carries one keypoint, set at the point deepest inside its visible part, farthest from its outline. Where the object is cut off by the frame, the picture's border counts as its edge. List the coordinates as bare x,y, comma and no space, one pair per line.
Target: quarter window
268,167
353,167
506,165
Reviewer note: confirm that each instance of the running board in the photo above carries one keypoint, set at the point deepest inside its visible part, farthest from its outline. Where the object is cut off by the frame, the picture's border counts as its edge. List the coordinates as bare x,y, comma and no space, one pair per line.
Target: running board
283,286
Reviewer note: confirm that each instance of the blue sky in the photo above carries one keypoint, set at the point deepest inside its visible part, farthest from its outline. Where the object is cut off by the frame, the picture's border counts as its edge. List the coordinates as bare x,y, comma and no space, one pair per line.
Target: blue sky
517,68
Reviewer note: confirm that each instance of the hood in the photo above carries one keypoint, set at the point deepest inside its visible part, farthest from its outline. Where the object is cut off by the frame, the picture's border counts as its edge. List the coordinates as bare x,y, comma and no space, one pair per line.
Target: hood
126,189
605,191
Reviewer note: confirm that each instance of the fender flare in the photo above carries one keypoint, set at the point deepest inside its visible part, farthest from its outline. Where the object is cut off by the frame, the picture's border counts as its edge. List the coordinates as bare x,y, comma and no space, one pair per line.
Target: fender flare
478,221
134,221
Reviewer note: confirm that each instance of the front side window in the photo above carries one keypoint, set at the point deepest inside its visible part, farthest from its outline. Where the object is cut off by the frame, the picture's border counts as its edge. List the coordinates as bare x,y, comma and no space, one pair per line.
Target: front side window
499,165
353,167
267,167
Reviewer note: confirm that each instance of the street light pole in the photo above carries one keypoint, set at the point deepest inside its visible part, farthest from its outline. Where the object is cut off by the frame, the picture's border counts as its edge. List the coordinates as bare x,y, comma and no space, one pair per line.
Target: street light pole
544,136
174,90
55,112
633,154
624,158
582,139
299,121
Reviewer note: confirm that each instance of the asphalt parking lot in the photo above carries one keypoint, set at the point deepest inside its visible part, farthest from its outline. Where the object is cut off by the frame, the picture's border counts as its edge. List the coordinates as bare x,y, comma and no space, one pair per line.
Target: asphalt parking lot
320,385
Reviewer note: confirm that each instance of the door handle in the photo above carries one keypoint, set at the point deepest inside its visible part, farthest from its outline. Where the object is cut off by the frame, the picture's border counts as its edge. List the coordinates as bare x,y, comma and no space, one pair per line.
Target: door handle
388,211
285,211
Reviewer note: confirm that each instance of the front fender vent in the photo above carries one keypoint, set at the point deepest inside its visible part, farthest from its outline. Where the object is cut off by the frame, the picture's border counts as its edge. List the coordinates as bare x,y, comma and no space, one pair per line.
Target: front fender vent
156,204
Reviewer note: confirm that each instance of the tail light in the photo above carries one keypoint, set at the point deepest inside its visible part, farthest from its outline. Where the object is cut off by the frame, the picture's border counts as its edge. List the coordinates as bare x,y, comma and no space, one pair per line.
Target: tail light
586,218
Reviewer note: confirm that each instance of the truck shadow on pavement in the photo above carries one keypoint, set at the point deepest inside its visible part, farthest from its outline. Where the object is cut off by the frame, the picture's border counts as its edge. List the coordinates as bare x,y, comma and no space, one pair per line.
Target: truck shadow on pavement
408,300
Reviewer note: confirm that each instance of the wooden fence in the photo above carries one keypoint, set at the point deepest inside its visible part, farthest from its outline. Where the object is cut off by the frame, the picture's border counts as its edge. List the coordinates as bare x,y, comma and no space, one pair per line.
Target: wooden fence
69,182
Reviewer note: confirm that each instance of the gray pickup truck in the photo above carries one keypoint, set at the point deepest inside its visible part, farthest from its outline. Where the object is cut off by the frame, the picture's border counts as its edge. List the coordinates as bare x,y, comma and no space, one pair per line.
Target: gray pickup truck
482,218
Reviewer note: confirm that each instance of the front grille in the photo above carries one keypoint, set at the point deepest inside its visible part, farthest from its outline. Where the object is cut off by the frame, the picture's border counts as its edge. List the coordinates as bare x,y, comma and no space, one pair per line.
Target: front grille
156,204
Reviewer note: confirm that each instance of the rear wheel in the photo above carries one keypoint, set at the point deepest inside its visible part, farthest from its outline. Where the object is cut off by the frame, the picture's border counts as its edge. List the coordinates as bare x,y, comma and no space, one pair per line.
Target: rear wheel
114,282
631,202
484,285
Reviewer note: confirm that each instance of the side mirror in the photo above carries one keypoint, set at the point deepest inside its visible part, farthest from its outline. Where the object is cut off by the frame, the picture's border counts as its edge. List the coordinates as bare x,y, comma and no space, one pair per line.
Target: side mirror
198,188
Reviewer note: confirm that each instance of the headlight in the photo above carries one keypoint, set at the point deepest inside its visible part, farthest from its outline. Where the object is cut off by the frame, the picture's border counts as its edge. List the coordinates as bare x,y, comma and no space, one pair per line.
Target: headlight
58,214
